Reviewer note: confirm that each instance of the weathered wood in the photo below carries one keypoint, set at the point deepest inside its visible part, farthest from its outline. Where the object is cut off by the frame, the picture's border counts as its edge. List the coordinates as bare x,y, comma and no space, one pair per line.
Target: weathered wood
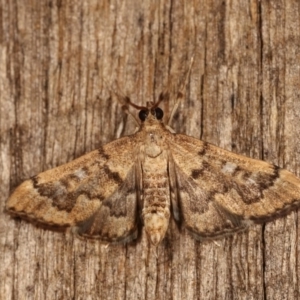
58,64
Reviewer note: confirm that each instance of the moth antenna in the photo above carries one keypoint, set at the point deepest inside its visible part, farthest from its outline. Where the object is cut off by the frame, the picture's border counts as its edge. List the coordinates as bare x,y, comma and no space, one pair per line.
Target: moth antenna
162,96
175,107
126,102
180,94
125,108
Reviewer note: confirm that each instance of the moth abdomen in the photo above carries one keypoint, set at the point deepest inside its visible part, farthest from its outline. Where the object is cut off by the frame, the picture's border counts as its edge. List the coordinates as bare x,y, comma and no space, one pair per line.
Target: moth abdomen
156,195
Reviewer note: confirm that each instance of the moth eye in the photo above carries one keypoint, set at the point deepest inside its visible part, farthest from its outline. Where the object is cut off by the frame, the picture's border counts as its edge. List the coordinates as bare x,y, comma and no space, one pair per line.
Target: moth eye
143,114
159,113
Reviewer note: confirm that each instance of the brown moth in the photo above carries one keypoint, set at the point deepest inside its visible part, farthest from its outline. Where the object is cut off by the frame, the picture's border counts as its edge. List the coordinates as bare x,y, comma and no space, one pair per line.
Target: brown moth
145,177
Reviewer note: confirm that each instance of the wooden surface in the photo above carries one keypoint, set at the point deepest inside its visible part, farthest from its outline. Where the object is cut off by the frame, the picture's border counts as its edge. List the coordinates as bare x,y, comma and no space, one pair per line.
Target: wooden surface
60,60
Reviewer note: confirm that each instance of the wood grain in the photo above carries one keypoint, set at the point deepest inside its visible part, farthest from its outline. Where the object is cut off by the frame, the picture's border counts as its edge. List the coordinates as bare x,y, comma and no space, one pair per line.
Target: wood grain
59,62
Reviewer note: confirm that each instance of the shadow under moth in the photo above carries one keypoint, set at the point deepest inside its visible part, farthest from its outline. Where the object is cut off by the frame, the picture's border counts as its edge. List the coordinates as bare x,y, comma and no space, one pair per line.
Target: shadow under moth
146,177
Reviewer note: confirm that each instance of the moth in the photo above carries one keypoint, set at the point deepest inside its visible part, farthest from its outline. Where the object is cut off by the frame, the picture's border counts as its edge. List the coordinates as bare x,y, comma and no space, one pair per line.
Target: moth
144,178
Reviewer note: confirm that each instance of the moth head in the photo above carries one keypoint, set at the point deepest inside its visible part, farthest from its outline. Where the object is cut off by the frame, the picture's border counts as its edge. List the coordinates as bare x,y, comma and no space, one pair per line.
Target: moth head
149,112
156,112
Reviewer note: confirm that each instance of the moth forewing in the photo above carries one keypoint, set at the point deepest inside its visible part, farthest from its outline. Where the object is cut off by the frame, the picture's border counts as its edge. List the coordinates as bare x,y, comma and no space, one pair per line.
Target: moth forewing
221,192
75,193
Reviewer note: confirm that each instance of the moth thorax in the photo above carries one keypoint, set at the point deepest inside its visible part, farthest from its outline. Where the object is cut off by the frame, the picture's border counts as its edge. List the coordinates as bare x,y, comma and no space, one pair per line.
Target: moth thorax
156,225
153,144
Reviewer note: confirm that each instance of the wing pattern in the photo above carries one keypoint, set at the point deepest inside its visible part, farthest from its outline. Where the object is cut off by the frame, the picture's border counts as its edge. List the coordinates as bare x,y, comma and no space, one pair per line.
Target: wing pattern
219,192
99,186
213,192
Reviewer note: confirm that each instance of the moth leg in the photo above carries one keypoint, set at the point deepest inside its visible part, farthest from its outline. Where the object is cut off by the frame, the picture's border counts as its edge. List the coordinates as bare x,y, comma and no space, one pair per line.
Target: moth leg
180,94
170,129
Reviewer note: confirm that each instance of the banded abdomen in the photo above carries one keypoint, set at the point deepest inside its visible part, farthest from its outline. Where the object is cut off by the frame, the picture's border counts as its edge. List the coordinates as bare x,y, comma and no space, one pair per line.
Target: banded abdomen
156,197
